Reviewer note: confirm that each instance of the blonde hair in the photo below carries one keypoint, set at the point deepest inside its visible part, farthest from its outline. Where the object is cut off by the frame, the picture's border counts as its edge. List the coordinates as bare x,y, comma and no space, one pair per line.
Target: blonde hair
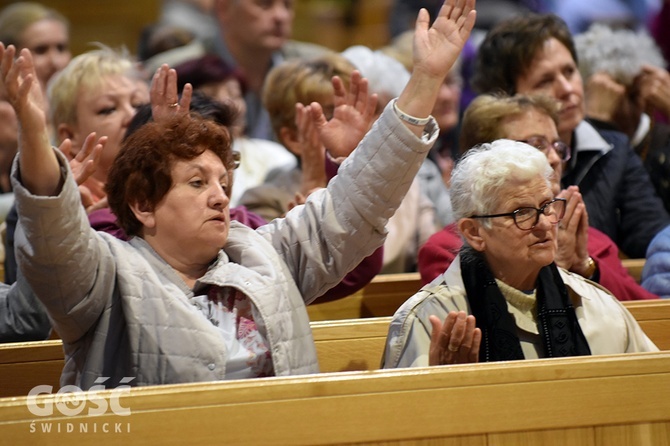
484,118
15,18
85,71
303,81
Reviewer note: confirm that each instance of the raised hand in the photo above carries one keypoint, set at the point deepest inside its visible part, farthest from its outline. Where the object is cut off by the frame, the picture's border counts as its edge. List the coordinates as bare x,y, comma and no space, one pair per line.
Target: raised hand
603,97
22,88
353,116
456,341
86,162
40,172
654,84
164,96
436,47
312,153
83,166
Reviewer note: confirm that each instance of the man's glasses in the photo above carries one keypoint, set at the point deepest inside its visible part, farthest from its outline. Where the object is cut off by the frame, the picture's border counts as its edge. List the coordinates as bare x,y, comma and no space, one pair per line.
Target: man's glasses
526,218
543,145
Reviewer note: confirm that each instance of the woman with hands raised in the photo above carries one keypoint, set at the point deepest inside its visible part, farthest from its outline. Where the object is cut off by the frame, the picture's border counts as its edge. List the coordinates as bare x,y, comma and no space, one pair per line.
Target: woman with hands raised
193,296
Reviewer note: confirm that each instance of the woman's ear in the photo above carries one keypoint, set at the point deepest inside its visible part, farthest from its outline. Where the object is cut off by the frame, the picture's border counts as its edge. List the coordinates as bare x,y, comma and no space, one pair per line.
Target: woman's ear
145,214
472,232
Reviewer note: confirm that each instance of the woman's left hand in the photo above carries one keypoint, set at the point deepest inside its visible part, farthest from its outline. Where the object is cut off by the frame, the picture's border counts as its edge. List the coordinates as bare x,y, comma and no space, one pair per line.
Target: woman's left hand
456,341
572,253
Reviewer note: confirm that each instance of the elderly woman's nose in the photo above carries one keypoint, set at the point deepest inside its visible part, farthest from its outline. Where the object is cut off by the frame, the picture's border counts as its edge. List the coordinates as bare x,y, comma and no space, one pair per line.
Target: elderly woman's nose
545,222
218,197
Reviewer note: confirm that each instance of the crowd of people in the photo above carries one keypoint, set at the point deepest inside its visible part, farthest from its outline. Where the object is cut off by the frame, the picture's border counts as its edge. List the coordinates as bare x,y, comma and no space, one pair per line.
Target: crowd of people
170,214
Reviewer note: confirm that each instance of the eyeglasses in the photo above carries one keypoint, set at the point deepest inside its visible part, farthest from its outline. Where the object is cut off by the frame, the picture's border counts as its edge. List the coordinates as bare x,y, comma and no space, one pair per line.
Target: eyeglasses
543,145
526,218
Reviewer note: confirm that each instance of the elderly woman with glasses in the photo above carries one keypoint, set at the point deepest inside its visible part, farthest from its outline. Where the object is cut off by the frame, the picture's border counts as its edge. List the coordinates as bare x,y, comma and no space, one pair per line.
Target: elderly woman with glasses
503,297
582,249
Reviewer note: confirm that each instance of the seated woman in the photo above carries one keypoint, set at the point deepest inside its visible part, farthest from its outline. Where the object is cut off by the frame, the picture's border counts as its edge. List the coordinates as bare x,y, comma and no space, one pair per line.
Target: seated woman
582,249
193,296
503,297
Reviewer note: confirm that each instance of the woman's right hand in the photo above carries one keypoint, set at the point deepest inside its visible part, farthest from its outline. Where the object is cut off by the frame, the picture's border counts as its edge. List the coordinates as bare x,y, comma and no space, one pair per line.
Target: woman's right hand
456,341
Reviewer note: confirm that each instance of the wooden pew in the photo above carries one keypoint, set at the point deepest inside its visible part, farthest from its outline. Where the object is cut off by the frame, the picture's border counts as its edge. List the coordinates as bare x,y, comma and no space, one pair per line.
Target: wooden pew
386,292
381,297
344,345
598,401
634,267
24,365
341,346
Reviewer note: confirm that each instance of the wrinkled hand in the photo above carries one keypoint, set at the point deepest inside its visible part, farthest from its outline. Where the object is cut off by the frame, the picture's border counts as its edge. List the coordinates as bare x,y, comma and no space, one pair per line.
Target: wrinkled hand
353,115
654,84
603,97
165,102
456,341
436,47
572,253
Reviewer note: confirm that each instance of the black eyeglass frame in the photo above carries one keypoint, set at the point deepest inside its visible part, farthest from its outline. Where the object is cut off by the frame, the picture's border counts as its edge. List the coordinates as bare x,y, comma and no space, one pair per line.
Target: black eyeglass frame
539,212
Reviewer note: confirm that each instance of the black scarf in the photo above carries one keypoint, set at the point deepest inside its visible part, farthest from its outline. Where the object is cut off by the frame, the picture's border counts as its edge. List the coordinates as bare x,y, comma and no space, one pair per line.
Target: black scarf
557,322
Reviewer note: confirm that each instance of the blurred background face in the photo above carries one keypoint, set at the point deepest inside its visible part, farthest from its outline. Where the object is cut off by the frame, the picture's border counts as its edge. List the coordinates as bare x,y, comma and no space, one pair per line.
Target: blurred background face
533,124
265,24
554,73
49,43
107,110
229,91
447,107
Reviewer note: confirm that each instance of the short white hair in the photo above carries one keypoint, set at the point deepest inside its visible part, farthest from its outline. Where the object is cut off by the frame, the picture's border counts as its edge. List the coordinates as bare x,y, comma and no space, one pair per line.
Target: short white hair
386,76
619,53
485,170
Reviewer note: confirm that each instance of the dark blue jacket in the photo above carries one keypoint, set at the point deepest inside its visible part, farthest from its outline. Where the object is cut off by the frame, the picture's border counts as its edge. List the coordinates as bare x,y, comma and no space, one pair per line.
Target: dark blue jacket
619,196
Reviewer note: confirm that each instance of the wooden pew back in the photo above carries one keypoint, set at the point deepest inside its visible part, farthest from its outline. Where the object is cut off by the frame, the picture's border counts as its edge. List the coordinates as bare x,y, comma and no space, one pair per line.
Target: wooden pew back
386,292
344,345
595,401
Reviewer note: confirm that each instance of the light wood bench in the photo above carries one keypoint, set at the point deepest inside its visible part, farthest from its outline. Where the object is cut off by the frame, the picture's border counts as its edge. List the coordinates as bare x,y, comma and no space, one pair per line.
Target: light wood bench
595,401
380,298
343,345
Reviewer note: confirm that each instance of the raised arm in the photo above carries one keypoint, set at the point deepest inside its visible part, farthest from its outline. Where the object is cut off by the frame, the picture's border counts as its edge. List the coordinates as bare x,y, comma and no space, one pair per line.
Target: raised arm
435,50
40,172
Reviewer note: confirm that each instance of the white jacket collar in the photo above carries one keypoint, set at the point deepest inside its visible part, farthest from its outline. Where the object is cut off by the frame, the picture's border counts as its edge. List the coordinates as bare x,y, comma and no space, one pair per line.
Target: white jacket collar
587,138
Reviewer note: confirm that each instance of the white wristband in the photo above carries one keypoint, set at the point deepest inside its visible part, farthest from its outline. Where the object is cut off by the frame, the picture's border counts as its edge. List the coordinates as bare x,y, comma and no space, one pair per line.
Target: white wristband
407,118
